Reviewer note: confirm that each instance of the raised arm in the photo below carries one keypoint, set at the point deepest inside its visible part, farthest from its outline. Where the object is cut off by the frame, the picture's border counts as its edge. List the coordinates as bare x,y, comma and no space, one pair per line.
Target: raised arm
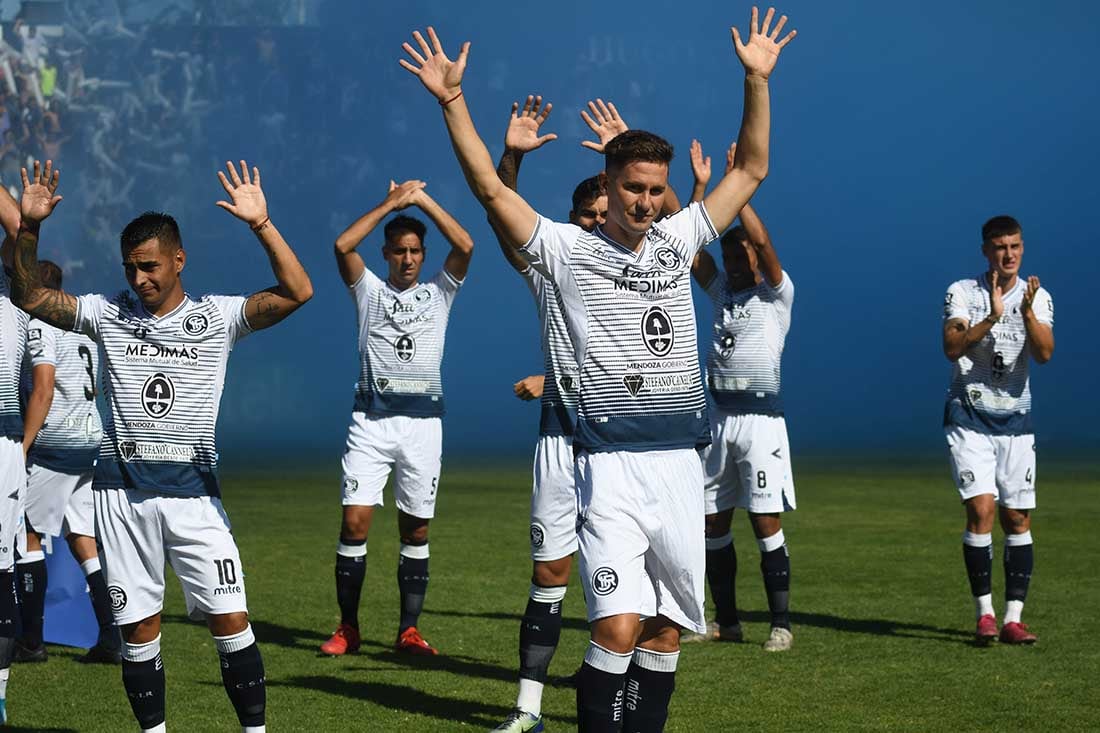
703,268
513,217
521,137
767,259
700,169
462,246
758,56
9,219
38,403
348,261
1040,336
39,198
293,288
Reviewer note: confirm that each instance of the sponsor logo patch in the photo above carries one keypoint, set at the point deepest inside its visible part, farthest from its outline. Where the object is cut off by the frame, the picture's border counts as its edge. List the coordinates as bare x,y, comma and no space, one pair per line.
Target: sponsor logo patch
158,395
657,333
565,383
604,581
633,383
404,348
132,450
195,324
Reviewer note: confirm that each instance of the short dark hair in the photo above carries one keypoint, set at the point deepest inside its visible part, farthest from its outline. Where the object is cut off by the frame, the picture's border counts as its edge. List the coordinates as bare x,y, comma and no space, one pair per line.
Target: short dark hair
1000,226
636,145
402,224
587,190
152,225
735,235
50,274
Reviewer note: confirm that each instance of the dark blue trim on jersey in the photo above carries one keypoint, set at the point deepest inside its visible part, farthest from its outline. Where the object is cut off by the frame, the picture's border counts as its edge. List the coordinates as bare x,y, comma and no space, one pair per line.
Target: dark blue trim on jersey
557,419
174,479
748,403
641,433
410,405
11,426
959,413
62,460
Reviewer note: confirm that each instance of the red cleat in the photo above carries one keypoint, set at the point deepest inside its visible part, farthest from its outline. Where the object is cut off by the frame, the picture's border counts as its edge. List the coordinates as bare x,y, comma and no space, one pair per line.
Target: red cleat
344,640
987,629
411,642
1017,633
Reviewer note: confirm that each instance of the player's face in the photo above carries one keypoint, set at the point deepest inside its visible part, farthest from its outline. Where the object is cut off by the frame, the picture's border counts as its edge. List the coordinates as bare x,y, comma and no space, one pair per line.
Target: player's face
739,260
153,272
405,256
1005,254
591,214
635,194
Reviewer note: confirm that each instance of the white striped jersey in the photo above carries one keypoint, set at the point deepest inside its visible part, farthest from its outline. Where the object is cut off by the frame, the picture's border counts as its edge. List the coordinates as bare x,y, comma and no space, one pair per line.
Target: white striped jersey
401,338
69,439
632,323
990,391
749,331
562,385
13,342
163,380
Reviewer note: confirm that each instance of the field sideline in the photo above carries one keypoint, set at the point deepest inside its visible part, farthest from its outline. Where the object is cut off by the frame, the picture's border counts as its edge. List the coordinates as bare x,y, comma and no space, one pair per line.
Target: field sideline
881,615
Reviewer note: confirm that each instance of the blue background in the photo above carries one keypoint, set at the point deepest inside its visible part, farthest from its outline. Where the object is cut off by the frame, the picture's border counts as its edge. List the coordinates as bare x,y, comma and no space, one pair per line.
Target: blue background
897,130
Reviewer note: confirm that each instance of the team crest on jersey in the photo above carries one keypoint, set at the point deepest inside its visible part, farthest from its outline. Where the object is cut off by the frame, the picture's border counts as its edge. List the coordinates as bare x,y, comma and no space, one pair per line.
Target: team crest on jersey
34,334
158,395
668,258
538,535
633,383
423,295
657,332
195,324
404,348
118,598
726,343
604,581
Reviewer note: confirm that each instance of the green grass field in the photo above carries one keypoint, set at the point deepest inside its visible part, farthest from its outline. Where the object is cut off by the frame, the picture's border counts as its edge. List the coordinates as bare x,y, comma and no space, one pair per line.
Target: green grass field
881,612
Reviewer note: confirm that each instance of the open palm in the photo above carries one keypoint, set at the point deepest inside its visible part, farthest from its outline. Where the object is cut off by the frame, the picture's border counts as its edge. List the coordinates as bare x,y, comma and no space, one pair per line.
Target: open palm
439,75
247,200
761,52
522,135
38,200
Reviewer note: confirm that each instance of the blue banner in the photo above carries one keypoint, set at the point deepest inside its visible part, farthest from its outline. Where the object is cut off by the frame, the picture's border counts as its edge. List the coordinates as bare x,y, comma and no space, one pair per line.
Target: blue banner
70,620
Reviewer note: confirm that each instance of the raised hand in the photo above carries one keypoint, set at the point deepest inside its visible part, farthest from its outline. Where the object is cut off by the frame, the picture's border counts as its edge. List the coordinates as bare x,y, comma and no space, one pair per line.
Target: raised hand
439,75
700,166
38,200
605,122
1029,294
404,195
996,297
760,53
730,157
522,135
247,201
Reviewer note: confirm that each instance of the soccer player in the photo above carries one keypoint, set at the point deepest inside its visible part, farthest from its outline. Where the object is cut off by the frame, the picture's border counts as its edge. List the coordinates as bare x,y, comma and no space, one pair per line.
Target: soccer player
748,465
156,483
13,473
626,298
62,431
397,420
994,324
553,496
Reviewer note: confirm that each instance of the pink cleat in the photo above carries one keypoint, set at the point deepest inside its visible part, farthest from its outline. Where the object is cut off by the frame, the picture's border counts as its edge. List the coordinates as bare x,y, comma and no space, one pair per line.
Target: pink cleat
987,629
1017,633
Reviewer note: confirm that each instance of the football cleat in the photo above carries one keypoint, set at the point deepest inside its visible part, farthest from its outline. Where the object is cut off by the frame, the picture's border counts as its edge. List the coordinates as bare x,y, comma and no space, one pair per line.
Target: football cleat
411,642
714,632
101,654
520,721
986,632
344,640
779,640
29,654
1017,633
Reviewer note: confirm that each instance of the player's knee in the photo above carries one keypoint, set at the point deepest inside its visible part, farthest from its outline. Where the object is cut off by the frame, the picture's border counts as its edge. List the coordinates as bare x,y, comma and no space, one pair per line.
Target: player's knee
718,525
765,525
34,542
227,624
413,530
356,524
617,634
660,635
1014,521
141,632
552,573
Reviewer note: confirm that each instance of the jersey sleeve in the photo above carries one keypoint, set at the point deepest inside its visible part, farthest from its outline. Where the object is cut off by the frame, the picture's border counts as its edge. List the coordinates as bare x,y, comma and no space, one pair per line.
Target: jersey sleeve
447,285
367,283
1043,305
955,305
89,315
547,251
41,343
232,310
691,224
784,291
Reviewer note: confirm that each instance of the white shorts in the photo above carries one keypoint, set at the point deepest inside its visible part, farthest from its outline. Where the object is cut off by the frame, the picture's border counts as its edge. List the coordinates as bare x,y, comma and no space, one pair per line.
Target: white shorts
59,504
1001,465
642,547
553,500
411,446
139,530
13,489
748,465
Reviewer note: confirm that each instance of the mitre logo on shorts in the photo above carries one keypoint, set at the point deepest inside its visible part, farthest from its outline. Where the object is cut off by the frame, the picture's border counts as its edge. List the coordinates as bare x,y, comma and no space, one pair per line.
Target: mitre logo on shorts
158,394
118,598
966,478
538,535
604,581
668,258
657,331
404,348
195,324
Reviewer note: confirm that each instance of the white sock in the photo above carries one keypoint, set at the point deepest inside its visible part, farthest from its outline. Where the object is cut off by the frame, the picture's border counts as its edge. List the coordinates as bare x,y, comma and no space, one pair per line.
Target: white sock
530,696
155,729
4,682
254,729
1013,611
983,605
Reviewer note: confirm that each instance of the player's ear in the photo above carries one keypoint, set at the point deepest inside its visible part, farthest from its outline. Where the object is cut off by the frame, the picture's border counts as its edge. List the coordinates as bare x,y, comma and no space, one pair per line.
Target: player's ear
180,259
603,180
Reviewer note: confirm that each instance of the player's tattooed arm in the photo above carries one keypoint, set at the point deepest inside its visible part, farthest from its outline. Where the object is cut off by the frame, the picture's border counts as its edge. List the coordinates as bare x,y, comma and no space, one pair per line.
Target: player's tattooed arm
348,261
758,55
9,219
510,213
293,289
39,198
462,245
529,388
38,403
1040,336
521,137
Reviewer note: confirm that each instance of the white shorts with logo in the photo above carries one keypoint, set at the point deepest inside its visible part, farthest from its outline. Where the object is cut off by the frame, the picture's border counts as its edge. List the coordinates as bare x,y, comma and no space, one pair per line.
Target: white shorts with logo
13,487
59,504
553,500
411,446
139,530
642,547
1001,465
748,466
